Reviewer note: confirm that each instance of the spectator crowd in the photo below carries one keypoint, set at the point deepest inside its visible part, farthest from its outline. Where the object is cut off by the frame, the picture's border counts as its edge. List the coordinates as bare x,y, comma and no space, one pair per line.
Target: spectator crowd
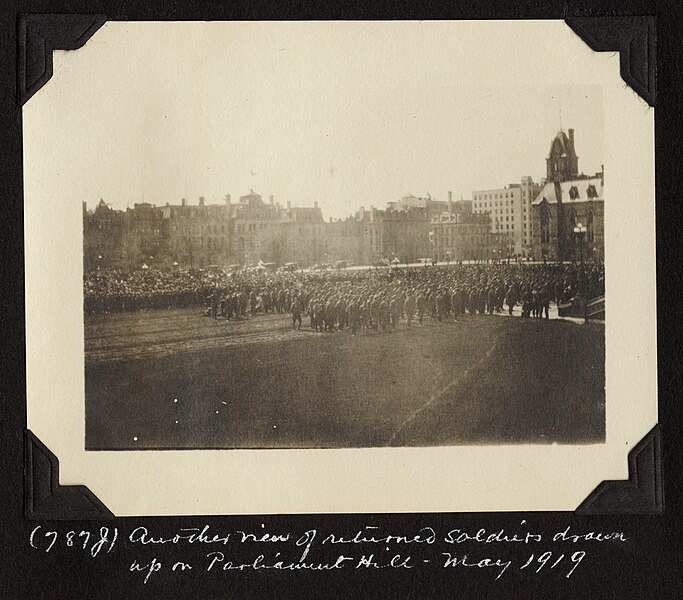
359,300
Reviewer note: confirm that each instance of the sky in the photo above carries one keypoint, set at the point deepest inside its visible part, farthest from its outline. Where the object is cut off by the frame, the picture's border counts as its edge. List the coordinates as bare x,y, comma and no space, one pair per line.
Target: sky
339,113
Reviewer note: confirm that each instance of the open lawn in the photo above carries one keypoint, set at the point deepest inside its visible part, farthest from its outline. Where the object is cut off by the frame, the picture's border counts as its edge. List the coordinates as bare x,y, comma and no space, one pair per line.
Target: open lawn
174,379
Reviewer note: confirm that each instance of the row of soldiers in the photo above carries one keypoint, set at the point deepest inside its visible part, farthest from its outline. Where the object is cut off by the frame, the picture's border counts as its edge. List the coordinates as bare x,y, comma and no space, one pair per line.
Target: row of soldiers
335,308
372,300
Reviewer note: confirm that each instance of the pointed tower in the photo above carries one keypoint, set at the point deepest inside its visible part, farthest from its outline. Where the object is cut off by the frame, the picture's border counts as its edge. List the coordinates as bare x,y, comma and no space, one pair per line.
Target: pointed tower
562,162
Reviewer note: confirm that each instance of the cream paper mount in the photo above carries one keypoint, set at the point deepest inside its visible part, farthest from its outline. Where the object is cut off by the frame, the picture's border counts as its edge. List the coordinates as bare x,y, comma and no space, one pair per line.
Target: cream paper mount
177,482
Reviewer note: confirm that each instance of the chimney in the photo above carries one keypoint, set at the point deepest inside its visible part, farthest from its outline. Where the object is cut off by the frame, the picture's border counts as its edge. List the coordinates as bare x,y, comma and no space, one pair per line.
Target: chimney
228,199
272,199
315,204
450,202
201,200
183,202
450,196
571,139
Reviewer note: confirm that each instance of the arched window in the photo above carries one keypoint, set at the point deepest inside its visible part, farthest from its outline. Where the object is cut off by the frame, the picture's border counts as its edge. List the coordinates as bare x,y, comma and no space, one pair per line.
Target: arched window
590,233
545,225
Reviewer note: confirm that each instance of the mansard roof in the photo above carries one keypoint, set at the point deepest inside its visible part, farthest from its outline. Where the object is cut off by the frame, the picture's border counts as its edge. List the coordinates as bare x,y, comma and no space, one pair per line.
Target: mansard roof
589,189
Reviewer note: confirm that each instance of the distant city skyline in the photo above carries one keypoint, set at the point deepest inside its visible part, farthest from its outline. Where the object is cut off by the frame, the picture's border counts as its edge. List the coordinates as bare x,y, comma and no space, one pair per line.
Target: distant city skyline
310,112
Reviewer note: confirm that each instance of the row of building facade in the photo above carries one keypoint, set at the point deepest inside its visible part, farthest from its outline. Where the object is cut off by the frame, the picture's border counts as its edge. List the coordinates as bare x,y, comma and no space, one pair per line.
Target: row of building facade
560,218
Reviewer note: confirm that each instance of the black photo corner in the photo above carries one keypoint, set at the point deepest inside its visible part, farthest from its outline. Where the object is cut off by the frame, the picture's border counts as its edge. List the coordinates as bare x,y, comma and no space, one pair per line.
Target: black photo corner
62,541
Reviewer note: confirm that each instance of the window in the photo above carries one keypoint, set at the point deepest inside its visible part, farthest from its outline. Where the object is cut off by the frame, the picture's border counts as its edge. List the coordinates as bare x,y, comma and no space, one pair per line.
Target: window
573,192
590,232
545,225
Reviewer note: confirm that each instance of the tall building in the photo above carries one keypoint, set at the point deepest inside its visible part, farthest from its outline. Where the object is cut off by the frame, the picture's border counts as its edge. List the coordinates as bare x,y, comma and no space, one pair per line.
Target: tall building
510,211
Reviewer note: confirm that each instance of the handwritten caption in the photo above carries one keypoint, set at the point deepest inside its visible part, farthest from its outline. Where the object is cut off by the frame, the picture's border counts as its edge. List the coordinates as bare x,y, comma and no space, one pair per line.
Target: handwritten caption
208,551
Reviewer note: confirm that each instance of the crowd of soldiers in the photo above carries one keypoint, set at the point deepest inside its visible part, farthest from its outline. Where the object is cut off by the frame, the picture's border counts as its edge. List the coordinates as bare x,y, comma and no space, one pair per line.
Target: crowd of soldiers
360,301
379,302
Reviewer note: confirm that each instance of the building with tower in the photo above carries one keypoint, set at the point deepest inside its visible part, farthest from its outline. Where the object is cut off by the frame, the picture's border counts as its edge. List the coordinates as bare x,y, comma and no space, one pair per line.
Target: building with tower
562,163
568,212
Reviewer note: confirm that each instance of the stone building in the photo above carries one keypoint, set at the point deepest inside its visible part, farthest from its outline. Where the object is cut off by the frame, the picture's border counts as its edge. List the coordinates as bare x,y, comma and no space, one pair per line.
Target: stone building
103,234
269,233
562,211
393,234
257,235
197,235
568,212
303,229
145,239
465,236
344,240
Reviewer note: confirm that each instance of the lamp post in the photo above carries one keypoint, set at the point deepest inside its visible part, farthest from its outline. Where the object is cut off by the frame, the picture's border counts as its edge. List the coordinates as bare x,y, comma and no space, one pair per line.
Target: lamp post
580,233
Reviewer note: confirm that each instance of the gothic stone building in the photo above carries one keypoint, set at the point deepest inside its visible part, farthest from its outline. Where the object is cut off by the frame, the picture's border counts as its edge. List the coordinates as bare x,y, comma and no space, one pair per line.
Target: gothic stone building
568,201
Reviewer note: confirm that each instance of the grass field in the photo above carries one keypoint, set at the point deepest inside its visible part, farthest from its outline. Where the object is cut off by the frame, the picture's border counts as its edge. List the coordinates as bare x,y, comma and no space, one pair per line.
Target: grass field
174,379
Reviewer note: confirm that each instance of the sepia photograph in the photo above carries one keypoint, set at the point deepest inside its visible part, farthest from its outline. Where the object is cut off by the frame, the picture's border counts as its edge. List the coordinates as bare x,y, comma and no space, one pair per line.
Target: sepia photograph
314,259
312,254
